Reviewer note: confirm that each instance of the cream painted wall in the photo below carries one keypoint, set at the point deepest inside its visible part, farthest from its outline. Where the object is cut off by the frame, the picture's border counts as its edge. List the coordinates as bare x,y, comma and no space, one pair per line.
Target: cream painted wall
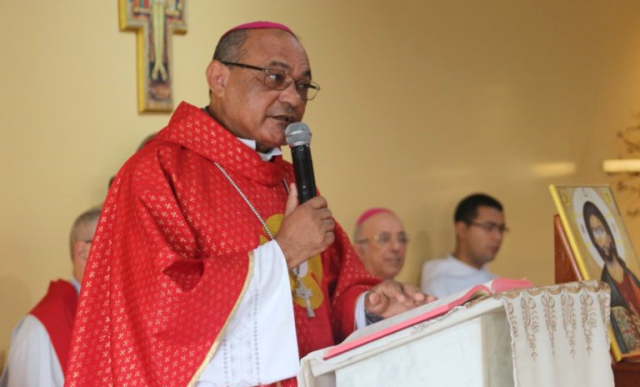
422,103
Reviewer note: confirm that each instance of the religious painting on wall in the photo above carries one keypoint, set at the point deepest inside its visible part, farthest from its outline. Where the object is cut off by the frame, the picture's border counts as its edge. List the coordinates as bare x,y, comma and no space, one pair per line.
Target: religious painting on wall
603,251
155,22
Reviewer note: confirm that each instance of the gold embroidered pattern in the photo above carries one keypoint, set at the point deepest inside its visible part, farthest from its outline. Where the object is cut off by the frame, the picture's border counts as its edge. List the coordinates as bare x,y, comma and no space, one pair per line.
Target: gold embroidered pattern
553,290
513,322
510,294
588,319
569,321
530,320
605,310
556,325
549,305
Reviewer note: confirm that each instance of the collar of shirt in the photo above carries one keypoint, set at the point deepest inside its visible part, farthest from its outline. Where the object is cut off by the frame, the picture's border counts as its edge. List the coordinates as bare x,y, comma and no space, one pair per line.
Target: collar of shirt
75,284
264,156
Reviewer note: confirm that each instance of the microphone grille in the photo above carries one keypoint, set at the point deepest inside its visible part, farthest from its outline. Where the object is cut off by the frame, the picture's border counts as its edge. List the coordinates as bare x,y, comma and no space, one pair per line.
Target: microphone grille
297,134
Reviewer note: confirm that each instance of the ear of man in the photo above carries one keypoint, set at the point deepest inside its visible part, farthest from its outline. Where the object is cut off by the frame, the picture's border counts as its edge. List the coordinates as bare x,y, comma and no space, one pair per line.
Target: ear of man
461,229
81,250
217,75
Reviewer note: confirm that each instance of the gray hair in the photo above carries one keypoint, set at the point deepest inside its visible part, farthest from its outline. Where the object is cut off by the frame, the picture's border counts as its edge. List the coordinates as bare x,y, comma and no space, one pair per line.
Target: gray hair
229,48
81,229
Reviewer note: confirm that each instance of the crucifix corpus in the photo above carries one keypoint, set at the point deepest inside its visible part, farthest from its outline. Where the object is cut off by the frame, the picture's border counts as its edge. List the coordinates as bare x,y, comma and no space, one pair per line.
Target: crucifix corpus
155,22
305,293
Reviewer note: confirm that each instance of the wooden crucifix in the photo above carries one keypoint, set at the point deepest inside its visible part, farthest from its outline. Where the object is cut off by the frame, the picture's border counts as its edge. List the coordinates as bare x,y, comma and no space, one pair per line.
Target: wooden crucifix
155,22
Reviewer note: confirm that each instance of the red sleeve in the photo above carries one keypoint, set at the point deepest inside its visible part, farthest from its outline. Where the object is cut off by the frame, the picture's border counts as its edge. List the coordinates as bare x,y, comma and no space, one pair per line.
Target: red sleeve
351,281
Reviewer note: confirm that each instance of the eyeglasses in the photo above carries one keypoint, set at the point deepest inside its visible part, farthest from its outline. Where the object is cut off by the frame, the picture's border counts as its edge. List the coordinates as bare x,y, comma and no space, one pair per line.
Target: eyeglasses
384,238
490,226
277,79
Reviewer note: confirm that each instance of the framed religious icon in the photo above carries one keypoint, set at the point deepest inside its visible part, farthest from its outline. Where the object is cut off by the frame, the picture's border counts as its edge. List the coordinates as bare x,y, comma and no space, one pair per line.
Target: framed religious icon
603,250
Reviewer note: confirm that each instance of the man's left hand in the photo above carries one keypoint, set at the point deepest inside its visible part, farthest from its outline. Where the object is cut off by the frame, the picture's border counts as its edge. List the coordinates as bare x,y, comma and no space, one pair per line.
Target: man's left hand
389,298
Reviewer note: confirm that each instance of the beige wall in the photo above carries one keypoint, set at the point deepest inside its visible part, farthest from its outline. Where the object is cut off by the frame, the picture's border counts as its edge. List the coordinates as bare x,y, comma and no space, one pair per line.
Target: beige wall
422,102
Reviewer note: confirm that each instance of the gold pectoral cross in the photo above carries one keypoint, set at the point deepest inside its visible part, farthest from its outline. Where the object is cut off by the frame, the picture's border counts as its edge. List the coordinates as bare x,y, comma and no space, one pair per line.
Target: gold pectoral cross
305,293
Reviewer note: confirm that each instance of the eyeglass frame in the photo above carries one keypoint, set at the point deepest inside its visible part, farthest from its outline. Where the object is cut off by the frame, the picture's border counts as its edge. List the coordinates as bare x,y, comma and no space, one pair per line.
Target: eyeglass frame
384,241
308,84
489,226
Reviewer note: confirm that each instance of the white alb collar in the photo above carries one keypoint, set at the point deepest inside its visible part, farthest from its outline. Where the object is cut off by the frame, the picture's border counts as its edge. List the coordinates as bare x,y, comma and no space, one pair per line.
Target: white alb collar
264,156
75,284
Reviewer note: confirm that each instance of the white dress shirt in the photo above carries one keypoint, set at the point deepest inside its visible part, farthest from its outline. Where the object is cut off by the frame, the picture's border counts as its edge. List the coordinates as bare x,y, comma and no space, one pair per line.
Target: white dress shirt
445,276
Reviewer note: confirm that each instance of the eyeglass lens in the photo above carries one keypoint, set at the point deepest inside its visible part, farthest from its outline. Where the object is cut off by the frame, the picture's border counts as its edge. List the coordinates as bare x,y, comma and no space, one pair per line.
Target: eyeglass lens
384,238
279,80
490,227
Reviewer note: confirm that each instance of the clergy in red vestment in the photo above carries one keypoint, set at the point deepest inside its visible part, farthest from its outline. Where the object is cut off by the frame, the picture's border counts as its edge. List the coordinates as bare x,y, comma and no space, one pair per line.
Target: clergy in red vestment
41,340
205,270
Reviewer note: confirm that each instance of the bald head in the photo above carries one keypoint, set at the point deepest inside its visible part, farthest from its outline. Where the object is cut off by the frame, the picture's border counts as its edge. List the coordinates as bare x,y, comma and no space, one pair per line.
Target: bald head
258,84
229,47
380,241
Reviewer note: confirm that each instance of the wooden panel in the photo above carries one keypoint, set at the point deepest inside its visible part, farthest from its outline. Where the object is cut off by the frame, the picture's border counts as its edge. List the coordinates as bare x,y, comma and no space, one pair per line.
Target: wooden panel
626,374
565,263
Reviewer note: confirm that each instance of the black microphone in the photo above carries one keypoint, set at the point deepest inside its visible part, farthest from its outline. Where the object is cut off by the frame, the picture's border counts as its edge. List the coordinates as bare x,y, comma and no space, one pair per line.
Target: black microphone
298,137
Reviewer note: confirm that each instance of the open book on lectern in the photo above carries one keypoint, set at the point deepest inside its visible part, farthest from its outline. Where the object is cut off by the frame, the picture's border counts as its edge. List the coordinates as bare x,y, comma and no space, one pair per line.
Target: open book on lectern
423,313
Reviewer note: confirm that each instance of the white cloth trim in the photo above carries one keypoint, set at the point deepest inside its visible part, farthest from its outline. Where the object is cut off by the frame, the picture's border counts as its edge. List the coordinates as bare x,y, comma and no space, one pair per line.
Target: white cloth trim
32,360
361,319
75,284
445,276
264,156
260,344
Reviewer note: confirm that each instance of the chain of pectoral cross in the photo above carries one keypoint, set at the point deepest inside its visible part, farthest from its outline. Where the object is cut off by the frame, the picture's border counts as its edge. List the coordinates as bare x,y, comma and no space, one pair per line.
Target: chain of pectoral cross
301,291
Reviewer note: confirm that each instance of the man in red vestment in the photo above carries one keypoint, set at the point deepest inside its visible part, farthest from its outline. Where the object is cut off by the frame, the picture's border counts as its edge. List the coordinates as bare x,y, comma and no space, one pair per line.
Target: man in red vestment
40,343
381,242
205,270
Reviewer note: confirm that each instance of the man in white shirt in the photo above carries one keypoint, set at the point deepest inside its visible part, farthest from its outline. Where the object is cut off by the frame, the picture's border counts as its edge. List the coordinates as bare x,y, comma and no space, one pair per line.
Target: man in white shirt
480,227
40,342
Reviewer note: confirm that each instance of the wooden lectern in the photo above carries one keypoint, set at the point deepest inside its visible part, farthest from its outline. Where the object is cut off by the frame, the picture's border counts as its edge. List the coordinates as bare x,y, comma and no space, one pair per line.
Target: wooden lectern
566,270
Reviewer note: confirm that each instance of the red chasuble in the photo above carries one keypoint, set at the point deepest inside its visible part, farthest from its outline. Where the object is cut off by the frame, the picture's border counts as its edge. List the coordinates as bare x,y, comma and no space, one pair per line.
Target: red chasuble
172,258
56,311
